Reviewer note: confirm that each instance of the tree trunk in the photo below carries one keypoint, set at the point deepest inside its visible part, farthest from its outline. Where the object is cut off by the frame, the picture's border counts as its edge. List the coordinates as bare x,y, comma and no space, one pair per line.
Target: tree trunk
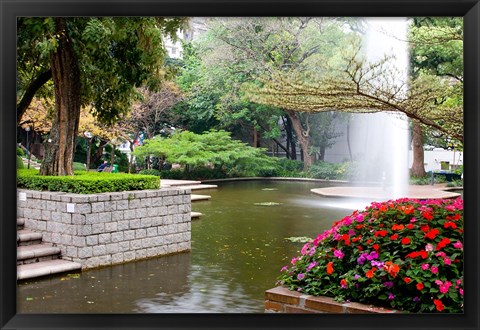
112,155
60,146
290,139
255,137
98,154
89,149
418,167
303,137
348,140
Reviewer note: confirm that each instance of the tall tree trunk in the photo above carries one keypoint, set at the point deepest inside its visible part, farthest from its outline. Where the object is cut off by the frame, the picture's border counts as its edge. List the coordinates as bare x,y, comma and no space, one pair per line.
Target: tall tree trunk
348,140
112,155
418,167
255,137
290,139
303,137
60,146
89,150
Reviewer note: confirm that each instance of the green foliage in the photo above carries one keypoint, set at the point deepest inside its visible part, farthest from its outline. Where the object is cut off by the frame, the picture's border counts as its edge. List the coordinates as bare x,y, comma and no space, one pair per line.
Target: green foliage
19,162
213,149
86,182
455,183
78,166
333,171
20,152
150,172
404,254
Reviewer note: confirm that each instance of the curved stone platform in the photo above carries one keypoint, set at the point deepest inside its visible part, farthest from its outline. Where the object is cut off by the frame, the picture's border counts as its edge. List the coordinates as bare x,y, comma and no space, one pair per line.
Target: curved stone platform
380,193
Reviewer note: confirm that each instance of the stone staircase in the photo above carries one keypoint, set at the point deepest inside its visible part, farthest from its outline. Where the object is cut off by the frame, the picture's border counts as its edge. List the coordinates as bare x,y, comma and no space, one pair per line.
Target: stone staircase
35,259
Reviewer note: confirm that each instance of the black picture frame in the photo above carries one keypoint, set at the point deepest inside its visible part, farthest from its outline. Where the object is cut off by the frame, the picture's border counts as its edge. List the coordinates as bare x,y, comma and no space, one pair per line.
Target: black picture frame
10,9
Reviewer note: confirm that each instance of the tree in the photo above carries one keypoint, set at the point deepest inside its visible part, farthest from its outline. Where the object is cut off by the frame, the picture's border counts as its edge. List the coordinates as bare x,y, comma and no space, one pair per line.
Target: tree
237,52
96,61
436,49
213,148
363,88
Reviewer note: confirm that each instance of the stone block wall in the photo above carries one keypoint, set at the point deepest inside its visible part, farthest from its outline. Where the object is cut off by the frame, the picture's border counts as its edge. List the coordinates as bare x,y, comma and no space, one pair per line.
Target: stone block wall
282,300
110,228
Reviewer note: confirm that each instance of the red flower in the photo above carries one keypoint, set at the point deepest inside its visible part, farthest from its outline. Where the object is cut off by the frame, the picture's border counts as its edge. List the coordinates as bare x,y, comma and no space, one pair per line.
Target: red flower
405,240
427,215
407,279
391,268
370,273
423,254
450,225
359,226
397,227
439,305
432,233
409,209
420,286
444,242
383,208
330,268
393,237
360,248
376,246
343,283
410,226
425,228
380,233
369,241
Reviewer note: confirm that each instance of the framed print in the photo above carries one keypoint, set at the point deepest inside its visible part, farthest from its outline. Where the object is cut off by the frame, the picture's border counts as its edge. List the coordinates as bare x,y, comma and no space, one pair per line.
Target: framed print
219,281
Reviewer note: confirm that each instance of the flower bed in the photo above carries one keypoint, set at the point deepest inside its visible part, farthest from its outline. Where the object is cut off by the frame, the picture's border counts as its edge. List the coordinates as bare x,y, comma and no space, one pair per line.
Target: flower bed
405,254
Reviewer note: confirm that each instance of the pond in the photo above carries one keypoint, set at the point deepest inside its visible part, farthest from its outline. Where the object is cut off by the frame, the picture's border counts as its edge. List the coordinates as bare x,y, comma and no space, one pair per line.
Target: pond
238,248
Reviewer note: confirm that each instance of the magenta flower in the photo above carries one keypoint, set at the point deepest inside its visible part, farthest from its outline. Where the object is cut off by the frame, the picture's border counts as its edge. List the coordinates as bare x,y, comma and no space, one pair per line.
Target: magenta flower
461,291
301,276
425,266
391,296
284,268
311,265
458,245
434,269
447,261
441,254
294,260
339,254
388,284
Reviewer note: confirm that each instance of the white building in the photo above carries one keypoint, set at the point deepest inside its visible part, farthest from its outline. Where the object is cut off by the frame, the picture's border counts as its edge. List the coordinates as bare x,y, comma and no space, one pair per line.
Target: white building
196,26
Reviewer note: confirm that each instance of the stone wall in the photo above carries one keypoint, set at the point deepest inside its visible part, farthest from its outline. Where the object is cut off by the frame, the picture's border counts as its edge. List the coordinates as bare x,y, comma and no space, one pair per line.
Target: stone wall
282,300
110,228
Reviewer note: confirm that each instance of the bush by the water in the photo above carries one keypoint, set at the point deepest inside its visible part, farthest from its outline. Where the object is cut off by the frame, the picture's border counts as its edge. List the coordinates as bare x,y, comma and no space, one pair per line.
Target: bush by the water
405,254
86,182
333,171
78,167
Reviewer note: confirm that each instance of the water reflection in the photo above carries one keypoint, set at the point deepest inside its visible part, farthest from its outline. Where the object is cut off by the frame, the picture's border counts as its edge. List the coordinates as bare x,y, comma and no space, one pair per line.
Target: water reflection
238,249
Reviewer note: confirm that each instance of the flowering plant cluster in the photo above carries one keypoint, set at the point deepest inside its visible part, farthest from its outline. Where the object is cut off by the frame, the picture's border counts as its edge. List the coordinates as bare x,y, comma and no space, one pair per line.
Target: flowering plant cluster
404,254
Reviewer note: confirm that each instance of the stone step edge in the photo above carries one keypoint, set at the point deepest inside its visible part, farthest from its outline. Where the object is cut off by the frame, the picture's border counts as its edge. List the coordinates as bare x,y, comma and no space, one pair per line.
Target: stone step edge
25,235
36,251
45,268
195,214
200,197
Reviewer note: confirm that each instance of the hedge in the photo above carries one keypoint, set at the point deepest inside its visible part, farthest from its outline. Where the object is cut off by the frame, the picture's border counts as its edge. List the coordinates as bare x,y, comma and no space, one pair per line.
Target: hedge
86,183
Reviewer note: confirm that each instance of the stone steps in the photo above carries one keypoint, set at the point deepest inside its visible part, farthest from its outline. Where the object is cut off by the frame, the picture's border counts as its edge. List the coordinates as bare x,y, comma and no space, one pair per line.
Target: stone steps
200,186
35,259
28,237
195,215
44,268
28,254
200,197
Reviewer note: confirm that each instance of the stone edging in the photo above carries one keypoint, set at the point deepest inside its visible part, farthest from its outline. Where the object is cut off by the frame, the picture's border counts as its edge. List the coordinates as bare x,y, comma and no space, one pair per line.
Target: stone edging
282,300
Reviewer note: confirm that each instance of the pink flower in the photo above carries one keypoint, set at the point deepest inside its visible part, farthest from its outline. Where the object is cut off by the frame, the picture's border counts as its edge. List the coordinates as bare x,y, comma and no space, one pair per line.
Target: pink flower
305,248
301,276
429,247
311,265
434,269
458,245
461,291
339,254
284,268
413,220
294,260
447,261
425,266
438,282
441,254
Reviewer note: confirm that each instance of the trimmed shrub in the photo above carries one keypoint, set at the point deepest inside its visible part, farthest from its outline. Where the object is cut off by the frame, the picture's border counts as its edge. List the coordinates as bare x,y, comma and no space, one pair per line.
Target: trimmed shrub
20,163
405,254
150,172
78,166
20,152
86,182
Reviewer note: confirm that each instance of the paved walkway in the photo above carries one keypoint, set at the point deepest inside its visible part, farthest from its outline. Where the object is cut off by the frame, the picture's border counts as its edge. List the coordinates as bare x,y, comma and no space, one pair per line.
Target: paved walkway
380,193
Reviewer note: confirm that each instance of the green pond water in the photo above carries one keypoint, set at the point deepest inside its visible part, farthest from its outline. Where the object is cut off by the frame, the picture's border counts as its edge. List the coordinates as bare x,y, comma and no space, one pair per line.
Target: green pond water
238,248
